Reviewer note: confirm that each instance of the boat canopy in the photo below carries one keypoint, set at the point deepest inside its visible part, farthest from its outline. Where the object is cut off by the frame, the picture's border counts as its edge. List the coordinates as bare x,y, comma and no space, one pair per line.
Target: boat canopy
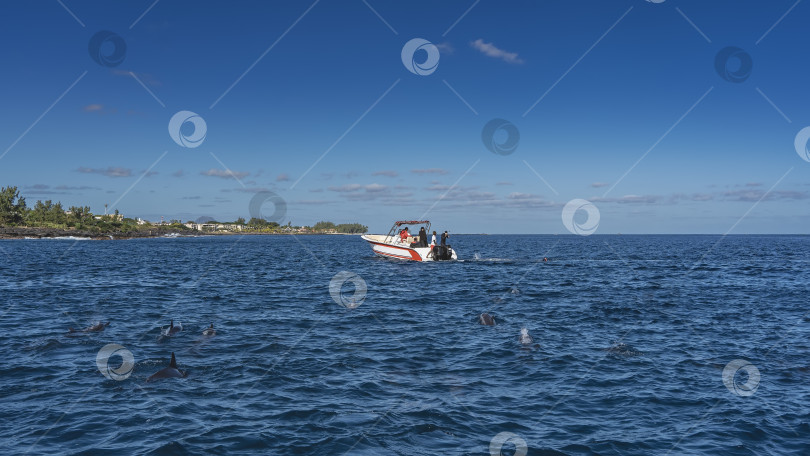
411,222
392,232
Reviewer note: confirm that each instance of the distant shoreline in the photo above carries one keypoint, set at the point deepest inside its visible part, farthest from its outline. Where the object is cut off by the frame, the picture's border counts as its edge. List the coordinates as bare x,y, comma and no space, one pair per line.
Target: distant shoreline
157,232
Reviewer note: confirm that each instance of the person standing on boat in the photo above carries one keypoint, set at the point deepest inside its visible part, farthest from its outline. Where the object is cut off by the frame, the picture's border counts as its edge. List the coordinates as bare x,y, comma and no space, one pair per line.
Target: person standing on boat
403,235
423,237
433,239
444,238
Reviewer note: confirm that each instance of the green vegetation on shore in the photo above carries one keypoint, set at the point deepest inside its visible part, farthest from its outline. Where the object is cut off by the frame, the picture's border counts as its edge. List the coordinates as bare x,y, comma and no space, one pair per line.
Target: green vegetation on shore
14,212
347,228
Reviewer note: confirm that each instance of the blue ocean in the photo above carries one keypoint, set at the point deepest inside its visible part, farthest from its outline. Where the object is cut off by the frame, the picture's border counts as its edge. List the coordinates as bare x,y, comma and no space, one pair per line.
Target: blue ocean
642,345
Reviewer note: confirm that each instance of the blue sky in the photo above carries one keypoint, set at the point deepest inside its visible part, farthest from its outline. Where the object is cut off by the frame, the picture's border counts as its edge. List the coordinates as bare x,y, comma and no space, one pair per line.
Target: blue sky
618,103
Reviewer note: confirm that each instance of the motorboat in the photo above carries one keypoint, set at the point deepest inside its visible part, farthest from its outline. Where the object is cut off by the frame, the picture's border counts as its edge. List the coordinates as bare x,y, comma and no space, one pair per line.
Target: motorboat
413,248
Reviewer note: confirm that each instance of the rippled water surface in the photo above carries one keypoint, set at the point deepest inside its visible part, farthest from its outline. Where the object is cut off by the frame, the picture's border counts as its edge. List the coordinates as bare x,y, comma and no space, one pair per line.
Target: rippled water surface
631,338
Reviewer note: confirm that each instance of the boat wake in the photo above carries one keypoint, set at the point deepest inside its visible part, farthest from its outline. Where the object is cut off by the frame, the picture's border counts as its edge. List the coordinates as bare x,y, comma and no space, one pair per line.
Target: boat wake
477,258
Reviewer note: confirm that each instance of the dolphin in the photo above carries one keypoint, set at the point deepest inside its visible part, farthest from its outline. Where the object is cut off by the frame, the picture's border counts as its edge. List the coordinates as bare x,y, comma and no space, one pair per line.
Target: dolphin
168,372
622,349
172,330
97,326
486,319
525,338
210,331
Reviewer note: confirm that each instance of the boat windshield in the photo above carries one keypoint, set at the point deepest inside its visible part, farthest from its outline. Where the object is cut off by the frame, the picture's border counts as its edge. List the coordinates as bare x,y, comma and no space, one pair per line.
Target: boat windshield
413,229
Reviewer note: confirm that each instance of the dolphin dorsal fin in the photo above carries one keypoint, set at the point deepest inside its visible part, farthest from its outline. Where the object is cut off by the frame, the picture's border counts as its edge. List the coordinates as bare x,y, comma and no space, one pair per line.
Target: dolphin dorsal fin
173,362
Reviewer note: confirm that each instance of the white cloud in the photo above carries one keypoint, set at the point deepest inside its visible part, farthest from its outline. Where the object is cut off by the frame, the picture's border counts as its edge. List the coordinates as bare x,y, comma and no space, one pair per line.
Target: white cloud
370,188
490,50
642,199
69,187
760,195
313,202
109,172
346,188
226,174
445,48
522,196
358,192
429,171
251,189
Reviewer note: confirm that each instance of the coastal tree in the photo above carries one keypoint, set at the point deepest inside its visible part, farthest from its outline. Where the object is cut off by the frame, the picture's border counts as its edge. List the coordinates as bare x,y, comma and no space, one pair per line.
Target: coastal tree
12,206
323,226
261,223
56,214
80,214
39,213
46,213
351,228
348,228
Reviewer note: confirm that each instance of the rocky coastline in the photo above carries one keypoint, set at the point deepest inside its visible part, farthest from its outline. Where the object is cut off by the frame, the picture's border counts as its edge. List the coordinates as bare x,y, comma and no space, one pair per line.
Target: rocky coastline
22,232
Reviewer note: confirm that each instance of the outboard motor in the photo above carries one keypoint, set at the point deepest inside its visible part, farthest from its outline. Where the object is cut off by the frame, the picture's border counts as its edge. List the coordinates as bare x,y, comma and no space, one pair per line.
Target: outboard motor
442,253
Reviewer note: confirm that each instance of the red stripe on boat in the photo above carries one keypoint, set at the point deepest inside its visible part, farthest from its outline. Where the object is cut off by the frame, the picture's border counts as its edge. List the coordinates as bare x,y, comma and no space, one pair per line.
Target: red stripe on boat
414,255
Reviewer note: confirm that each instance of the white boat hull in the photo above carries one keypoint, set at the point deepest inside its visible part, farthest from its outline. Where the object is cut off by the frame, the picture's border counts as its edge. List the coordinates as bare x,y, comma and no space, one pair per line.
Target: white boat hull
400,251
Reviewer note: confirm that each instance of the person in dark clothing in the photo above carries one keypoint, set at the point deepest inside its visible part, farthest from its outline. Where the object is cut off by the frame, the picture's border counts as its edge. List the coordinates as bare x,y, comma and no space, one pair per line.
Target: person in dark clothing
422,237
444,238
